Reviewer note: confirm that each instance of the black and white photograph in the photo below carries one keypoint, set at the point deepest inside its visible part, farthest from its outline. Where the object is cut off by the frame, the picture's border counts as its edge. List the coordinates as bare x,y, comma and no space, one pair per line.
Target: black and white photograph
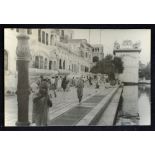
77,77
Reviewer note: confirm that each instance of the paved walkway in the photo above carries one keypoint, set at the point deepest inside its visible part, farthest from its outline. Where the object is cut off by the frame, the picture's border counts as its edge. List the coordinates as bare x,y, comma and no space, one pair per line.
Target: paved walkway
63,102
75,113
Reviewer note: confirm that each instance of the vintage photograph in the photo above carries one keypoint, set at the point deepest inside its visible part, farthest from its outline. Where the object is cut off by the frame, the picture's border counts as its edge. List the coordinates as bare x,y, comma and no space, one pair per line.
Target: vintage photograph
77,77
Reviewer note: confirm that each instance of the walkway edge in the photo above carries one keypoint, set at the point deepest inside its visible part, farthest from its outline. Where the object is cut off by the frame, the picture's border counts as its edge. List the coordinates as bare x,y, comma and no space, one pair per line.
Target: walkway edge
95,113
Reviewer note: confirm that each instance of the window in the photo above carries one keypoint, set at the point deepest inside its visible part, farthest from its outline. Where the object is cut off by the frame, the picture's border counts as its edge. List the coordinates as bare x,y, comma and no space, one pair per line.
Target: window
64,64
60,65
62,33
43,37
51,40
50,65
86,69
39,35
45,63
5,60
82,54
29,31
36,62
46,38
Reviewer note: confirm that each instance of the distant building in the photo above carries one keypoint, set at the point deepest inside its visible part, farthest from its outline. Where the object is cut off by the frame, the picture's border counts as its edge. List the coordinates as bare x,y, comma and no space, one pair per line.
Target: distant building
97,53
129,53
53,51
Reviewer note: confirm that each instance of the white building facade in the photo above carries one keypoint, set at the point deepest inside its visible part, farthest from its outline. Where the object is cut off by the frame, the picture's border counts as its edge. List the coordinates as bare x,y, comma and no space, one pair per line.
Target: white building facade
52,53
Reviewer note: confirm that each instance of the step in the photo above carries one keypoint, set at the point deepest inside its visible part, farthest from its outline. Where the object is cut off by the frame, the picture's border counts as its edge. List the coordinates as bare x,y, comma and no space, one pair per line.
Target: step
109,116
97,111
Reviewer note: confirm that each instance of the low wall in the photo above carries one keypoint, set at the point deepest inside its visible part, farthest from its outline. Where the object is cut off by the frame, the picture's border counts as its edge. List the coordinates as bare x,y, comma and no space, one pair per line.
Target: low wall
96,112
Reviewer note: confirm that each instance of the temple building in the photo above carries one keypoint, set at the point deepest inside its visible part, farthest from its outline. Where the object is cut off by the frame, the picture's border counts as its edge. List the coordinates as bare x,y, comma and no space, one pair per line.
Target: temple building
97,53
129,53
53,52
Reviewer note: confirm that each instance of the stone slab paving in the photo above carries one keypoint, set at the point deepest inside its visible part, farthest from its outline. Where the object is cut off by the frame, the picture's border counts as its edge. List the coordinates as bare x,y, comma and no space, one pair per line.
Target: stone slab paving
63,102
73,115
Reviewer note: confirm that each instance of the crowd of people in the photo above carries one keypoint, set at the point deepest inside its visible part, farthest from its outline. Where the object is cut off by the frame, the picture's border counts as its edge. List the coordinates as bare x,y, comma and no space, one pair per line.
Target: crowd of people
46,88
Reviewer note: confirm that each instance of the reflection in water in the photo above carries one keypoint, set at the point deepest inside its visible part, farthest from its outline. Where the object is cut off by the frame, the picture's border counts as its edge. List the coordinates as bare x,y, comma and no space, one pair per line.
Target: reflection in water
135,106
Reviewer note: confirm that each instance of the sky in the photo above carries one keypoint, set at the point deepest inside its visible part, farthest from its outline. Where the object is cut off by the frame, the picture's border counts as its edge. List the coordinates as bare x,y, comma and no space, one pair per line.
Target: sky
107,37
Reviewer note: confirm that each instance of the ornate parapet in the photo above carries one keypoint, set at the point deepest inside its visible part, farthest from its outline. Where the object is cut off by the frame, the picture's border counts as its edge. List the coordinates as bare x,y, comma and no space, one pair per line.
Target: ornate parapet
116,45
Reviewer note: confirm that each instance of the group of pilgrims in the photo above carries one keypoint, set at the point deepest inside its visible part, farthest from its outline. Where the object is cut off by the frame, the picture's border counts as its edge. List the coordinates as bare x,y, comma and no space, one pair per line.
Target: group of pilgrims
45,88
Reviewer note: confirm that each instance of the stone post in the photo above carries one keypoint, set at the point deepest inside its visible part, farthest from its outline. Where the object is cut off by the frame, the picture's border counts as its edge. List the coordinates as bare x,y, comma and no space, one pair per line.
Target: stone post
23,89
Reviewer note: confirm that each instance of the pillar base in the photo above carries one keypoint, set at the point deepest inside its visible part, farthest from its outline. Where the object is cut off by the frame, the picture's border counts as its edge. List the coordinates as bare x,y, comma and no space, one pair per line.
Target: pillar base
22,123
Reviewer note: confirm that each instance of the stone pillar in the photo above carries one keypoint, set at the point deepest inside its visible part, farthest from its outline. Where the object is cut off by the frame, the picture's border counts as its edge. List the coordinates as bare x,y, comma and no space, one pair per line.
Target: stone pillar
23,89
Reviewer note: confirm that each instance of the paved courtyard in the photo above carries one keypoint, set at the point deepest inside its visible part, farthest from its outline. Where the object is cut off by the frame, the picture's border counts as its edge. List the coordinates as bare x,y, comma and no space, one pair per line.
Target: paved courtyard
63,101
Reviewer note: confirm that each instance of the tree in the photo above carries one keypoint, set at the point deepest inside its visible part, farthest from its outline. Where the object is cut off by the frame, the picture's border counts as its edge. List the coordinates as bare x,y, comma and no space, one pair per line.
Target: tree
109,65
145,72
148,72
118,63
95,59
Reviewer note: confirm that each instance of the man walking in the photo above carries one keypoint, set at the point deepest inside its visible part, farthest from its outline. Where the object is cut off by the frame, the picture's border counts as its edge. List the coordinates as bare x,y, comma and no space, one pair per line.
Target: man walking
80,86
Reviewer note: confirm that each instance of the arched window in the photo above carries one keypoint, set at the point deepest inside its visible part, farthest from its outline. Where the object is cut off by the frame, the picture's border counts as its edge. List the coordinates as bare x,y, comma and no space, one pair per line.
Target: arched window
39,35
46,38
45,63
43,37
64,64
36,62
60,64
51,40
86,69
50,65
95,59
5,60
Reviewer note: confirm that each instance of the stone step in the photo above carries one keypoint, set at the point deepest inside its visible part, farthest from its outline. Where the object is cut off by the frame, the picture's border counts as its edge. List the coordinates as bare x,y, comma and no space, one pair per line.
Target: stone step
93,116
109,115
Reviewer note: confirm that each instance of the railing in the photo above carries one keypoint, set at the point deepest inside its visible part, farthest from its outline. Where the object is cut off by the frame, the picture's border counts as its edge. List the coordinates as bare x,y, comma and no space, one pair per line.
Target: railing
36,71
